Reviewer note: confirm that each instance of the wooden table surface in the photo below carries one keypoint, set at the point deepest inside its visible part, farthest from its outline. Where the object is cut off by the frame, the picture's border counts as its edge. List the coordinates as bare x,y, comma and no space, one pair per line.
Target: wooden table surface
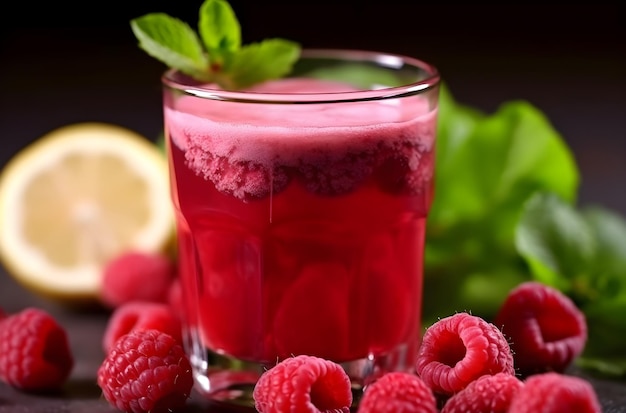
58,69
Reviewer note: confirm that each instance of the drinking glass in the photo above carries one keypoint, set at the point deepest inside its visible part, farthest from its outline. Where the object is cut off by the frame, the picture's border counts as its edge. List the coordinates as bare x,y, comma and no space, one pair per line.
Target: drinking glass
301,206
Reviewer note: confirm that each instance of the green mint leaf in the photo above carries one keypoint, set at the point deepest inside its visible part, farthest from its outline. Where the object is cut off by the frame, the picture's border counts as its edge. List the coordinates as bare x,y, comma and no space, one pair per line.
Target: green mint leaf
172,42
504,212
258,62
609,230
557,242
606,324
610,367
215,54
582,252
455,134
219,29
487,166
491,164
455,125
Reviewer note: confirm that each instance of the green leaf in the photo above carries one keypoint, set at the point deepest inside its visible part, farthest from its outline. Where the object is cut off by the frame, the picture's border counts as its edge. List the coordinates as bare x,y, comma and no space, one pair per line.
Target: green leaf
455,126
547,163
610,367
606,336
609,229
219,29
557,242
487,167
491,164
258,62
216,56
582,252
172,42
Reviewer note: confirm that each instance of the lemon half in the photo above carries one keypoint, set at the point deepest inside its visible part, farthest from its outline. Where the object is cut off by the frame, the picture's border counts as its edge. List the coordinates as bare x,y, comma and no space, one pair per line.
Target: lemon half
76,198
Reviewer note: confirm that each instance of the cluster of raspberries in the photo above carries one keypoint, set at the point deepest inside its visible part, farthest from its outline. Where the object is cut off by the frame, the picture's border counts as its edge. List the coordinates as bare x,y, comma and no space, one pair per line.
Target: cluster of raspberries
465,364
145,368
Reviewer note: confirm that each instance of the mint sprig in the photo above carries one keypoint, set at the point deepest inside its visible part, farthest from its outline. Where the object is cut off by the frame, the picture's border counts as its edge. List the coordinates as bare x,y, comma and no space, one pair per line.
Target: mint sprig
214,54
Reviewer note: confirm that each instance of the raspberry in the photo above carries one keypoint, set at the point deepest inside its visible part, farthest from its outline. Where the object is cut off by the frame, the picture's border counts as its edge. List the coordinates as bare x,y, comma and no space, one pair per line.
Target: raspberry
305,384
555,393
140,315
489,393
34,351
137,276
398,392
546,329
458,349
146,371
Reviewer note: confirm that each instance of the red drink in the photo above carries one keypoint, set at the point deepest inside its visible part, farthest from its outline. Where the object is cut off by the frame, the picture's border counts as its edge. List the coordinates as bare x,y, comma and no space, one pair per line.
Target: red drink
301,227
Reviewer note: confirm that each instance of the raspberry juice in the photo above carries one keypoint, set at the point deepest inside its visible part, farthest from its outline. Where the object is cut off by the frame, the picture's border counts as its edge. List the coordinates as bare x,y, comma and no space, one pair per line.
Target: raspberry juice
300,226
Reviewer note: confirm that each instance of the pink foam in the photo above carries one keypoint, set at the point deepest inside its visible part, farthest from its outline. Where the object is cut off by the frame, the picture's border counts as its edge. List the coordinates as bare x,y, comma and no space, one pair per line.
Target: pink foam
268,135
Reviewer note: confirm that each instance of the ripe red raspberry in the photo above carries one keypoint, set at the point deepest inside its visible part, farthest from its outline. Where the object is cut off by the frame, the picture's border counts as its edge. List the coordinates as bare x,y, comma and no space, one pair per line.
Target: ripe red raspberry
140,315
34,351
398,392
458,349
555,393
135,276
546,329
304,384
489,393
146,371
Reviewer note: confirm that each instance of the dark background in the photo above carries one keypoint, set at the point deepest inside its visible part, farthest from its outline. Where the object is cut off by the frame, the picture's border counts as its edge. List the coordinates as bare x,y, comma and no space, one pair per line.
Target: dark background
63,63
66,62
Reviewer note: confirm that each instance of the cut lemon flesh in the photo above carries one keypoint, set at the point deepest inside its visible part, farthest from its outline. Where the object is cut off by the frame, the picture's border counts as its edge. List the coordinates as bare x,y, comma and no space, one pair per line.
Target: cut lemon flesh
76,198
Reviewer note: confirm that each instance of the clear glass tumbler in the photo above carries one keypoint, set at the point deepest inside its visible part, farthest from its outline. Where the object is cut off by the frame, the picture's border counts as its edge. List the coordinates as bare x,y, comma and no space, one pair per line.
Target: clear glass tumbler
301,207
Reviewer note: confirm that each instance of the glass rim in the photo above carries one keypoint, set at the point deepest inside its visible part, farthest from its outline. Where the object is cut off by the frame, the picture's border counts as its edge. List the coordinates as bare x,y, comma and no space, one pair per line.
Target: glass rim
390,60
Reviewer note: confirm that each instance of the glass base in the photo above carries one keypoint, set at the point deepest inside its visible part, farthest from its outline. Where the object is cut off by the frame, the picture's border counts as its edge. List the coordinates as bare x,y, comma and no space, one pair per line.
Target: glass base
228,382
